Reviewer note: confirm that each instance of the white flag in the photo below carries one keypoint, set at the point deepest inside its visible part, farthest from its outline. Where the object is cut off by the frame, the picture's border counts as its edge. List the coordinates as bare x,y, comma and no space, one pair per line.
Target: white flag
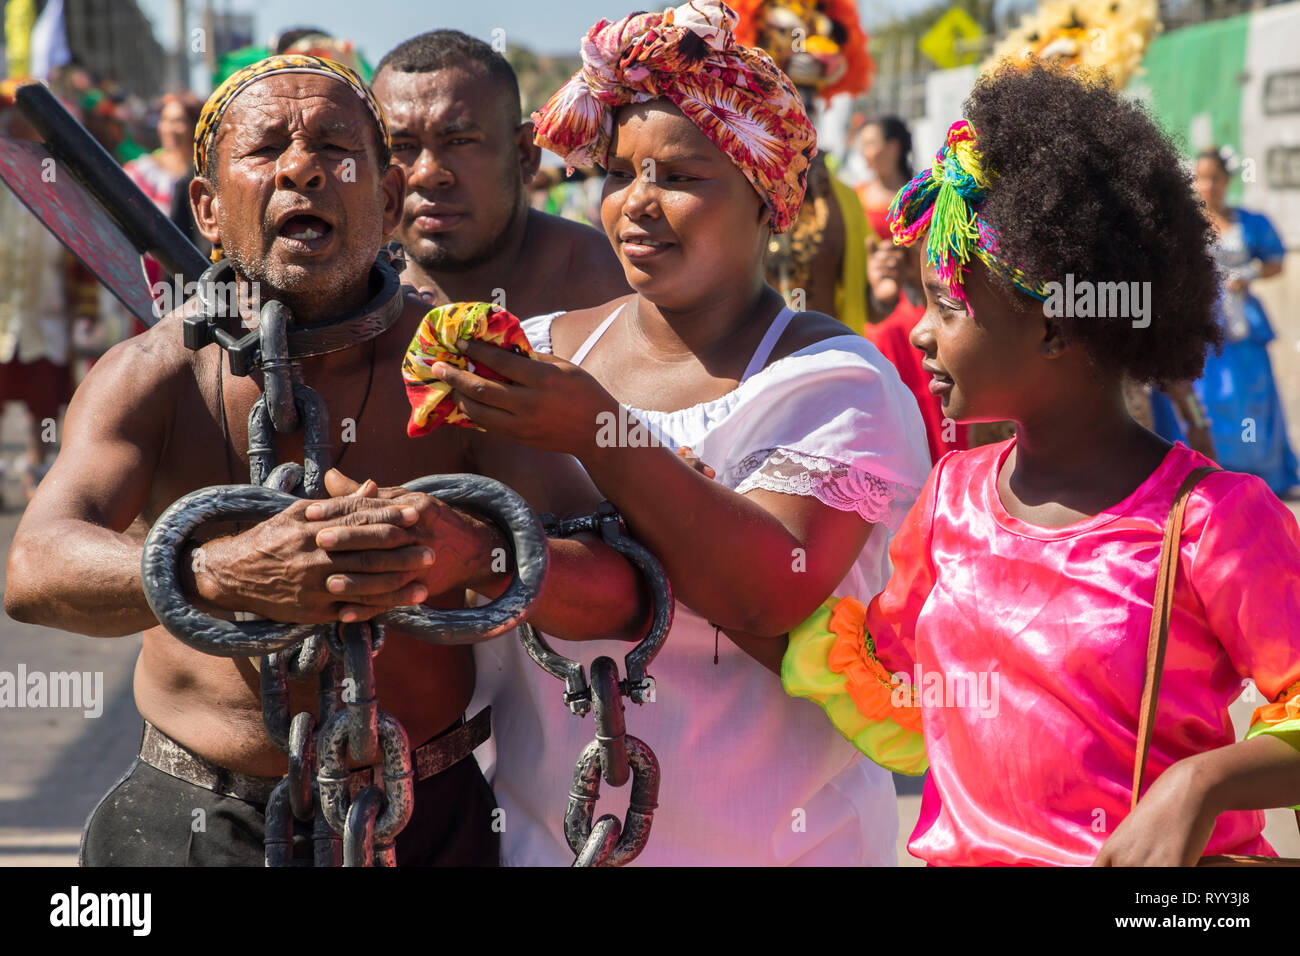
50,41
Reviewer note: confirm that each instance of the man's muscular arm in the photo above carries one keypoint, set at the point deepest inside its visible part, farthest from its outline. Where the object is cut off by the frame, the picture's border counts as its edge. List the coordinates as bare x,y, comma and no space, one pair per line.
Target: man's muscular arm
71,565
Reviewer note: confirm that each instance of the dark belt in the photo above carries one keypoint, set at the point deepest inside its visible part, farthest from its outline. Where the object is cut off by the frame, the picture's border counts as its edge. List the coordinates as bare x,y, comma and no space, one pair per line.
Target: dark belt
442,752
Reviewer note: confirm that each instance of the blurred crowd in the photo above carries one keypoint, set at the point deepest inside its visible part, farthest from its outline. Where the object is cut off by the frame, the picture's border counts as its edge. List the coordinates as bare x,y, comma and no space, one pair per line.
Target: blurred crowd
877,286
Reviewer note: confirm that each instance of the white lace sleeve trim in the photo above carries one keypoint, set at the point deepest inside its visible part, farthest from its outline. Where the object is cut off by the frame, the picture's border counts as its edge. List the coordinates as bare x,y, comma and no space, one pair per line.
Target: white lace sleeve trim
831,482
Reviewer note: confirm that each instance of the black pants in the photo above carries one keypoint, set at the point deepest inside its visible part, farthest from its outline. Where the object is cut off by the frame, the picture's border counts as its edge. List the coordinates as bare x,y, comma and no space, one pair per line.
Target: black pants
150,818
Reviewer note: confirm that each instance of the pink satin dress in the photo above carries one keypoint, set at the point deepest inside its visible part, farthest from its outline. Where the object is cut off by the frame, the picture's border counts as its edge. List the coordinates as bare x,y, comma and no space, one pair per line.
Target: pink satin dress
1027,646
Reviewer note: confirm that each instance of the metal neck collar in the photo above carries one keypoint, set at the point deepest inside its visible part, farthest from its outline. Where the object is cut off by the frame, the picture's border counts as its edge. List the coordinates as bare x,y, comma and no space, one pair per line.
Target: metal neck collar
218,318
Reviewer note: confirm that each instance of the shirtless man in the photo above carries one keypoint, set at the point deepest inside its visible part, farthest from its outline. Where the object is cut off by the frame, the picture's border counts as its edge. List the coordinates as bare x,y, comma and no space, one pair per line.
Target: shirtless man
468,231
297,189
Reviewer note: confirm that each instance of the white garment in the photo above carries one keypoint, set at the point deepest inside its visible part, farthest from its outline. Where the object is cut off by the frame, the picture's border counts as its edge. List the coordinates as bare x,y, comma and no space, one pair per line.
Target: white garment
750,776
1231,253
34,320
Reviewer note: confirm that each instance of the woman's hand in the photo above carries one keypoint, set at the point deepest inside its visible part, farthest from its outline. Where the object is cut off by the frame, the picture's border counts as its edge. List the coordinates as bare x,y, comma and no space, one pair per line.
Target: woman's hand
548,403
687,455
1170,826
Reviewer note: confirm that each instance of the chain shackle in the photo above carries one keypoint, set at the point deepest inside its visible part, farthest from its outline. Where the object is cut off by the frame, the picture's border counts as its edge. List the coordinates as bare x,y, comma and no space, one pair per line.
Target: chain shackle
577,692
278,369
279,827
302,764
317,449
639,686
359,828
600,843
327,846
274,673
286,478
586,840
311,657
359,693
159,571
508,511
611,722
297,662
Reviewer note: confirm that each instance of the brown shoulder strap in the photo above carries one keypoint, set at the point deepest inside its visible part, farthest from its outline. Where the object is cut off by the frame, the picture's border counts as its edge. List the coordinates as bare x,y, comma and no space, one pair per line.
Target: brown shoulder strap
1160,611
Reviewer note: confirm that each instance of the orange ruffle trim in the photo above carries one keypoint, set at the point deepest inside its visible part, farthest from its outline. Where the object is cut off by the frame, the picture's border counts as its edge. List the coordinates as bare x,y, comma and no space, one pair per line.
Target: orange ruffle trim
1285,708
876,693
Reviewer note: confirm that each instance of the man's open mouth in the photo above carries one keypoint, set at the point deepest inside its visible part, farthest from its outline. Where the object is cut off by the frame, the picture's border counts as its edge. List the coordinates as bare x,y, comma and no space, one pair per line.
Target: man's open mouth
307,231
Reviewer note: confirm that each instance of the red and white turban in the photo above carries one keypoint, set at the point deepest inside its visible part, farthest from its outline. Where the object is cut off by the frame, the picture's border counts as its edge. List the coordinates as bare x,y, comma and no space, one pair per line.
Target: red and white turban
736,95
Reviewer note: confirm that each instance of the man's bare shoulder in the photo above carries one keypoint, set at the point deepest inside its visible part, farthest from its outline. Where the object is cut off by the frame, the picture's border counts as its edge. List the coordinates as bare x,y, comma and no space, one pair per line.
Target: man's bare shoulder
155,358
582,265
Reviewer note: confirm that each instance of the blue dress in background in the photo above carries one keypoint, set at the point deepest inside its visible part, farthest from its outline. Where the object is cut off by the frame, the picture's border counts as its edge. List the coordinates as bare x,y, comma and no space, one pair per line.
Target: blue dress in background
1238,386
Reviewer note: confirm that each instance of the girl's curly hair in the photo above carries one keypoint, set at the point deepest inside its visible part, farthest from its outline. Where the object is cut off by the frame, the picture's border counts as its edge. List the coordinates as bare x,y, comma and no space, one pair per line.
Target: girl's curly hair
1086,183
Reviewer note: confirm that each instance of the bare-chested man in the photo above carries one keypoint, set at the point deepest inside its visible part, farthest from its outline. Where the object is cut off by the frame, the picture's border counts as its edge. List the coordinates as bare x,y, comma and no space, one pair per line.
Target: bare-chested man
296,188
469,234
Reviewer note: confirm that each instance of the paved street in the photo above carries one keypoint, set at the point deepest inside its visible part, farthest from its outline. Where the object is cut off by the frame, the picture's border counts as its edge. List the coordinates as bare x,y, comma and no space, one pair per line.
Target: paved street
56,763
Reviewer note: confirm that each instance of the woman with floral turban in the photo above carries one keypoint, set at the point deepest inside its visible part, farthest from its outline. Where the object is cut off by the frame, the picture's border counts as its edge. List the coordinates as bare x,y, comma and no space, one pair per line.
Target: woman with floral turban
810,448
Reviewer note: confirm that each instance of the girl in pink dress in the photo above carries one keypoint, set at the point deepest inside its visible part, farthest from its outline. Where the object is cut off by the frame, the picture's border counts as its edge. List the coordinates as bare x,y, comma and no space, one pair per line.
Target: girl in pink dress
1013,630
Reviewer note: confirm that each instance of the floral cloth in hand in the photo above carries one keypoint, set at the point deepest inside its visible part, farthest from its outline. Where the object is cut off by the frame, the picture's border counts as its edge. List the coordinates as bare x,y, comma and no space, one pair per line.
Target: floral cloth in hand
435,341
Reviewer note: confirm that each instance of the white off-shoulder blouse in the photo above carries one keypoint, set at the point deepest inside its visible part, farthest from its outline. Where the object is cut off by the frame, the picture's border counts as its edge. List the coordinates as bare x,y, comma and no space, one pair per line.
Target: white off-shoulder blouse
750,776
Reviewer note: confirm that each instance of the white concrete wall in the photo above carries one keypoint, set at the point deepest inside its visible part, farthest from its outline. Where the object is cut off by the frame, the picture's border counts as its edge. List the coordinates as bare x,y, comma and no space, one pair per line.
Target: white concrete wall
1281,299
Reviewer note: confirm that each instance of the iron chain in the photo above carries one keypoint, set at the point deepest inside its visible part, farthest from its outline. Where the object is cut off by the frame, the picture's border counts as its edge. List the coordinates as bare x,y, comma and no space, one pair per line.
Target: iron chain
614,755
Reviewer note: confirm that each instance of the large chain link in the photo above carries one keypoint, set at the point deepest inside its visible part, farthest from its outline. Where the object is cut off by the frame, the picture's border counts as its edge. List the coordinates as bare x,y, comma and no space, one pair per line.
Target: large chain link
615,754
347,830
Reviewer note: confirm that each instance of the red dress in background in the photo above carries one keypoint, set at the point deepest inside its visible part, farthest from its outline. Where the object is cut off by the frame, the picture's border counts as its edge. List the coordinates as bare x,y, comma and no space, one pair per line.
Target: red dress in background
891,337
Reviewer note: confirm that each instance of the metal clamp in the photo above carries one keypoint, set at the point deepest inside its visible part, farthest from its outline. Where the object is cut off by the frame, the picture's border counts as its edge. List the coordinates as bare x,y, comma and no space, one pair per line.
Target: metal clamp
214,322
509,512
638,685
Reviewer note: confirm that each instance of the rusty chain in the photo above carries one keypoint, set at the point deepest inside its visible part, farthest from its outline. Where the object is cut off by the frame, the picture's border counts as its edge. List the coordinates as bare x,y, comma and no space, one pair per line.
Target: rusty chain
614,754
347,830
361,830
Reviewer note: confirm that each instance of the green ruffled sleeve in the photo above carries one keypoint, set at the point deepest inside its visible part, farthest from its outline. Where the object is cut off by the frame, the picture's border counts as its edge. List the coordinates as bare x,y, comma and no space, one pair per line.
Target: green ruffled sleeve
831,660
1279,719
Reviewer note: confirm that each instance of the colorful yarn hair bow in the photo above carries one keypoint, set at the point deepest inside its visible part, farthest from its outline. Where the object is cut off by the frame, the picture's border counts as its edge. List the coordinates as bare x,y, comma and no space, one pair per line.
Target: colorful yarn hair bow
946,200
